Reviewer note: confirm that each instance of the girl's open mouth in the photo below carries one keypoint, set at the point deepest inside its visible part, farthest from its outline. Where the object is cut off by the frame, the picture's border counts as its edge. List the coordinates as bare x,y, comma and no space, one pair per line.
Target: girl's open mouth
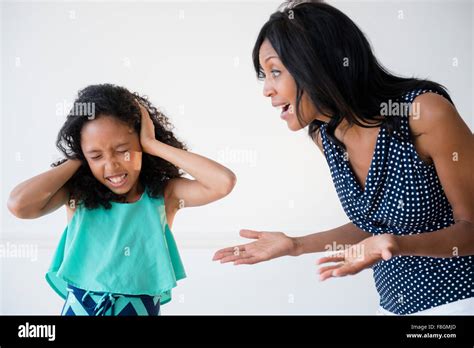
117,180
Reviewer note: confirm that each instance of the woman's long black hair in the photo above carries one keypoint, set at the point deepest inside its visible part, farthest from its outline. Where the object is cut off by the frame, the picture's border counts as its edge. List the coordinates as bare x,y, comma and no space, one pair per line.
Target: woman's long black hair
118,102
331,60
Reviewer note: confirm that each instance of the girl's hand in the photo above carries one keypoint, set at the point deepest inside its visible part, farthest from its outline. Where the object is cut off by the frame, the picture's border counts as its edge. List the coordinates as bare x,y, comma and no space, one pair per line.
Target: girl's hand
147,130
268,245
359,257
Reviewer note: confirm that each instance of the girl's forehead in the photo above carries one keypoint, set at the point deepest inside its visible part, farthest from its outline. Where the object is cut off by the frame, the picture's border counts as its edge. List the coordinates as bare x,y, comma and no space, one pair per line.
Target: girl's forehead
105,131
106,124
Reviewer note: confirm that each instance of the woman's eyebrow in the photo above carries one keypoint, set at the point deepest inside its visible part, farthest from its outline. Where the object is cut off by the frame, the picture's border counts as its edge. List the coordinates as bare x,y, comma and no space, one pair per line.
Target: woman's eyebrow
270,57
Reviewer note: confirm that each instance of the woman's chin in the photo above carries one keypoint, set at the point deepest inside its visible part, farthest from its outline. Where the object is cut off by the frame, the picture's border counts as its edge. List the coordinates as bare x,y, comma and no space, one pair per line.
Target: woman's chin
293,125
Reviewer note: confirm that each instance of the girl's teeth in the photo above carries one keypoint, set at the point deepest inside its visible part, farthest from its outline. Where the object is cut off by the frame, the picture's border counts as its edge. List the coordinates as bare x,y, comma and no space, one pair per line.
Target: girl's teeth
117,180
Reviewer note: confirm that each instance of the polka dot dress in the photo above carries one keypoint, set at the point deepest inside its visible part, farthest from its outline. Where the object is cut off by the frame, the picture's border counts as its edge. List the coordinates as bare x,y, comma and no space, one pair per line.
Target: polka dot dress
402,196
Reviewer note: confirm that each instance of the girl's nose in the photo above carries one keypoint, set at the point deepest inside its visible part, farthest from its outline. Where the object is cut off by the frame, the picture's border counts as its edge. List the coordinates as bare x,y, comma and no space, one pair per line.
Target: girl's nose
112,164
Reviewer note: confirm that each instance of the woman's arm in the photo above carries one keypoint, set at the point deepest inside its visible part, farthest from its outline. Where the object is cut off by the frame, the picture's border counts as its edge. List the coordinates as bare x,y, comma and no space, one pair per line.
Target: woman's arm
447,140
455,240
270,245
213,180
43,193
330,240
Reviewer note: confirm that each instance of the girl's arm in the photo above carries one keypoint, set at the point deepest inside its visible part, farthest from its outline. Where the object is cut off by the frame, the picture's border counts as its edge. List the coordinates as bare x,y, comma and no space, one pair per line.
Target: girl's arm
43,193
213,181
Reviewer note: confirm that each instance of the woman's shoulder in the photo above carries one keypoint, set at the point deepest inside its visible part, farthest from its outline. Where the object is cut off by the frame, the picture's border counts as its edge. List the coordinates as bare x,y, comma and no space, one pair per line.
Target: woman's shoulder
433,110
429,90
439,125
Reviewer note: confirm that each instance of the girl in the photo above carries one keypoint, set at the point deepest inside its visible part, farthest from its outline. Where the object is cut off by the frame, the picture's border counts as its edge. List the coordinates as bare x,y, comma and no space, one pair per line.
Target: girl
400,157
122,186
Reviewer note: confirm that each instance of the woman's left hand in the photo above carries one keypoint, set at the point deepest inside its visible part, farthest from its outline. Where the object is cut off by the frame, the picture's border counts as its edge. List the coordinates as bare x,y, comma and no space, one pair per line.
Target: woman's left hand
147,131
359,256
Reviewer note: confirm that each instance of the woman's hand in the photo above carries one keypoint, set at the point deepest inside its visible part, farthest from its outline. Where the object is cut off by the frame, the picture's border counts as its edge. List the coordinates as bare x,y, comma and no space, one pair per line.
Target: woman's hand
269,245
359,257
147,130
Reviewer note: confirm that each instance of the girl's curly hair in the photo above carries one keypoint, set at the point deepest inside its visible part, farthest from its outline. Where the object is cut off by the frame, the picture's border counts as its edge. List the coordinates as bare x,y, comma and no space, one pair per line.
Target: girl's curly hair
118,102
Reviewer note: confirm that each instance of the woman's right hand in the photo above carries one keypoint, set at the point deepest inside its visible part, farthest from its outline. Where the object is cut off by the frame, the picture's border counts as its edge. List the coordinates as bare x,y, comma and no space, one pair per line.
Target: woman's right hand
268,245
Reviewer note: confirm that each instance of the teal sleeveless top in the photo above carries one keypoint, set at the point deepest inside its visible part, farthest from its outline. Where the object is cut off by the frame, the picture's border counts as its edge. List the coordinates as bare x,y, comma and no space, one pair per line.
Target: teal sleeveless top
128,249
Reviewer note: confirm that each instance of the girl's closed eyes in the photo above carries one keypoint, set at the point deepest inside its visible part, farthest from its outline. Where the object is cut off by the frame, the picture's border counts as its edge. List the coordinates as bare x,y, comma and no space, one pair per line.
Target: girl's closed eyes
114,154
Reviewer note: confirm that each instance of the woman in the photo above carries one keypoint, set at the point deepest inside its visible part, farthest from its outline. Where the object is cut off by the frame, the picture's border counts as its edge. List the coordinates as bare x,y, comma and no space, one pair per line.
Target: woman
400,158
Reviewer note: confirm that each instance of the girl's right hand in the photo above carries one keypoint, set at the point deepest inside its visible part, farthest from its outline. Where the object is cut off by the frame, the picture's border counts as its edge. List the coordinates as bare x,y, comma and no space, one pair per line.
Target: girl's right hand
269,245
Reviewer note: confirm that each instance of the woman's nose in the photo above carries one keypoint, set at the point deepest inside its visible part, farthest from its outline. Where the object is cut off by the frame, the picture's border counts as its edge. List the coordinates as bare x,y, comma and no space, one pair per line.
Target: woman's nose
268,90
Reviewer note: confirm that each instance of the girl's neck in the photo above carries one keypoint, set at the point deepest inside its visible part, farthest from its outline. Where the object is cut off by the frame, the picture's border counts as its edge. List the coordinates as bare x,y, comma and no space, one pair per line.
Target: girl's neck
134,194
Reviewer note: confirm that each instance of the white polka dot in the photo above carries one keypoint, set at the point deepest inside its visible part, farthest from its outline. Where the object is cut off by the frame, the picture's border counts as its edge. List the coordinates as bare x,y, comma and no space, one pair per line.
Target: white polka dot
402,196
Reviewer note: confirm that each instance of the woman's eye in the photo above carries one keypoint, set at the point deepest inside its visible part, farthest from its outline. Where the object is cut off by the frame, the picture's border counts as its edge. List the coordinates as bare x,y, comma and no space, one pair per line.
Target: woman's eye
276,73
123,151
94,158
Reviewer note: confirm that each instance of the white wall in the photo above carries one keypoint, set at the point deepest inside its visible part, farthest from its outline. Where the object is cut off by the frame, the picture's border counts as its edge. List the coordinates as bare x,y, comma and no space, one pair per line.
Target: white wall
193,60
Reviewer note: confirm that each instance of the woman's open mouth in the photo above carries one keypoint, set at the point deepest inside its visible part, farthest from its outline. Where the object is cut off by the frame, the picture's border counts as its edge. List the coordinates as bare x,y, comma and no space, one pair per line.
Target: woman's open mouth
285,112
117,180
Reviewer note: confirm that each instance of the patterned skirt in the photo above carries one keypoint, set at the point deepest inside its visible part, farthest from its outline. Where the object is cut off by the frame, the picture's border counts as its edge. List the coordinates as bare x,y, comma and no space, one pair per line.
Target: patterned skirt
93,303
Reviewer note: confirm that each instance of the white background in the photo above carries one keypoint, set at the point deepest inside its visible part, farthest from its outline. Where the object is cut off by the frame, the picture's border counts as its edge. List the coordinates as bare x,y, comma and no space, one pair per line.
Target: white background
193,59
